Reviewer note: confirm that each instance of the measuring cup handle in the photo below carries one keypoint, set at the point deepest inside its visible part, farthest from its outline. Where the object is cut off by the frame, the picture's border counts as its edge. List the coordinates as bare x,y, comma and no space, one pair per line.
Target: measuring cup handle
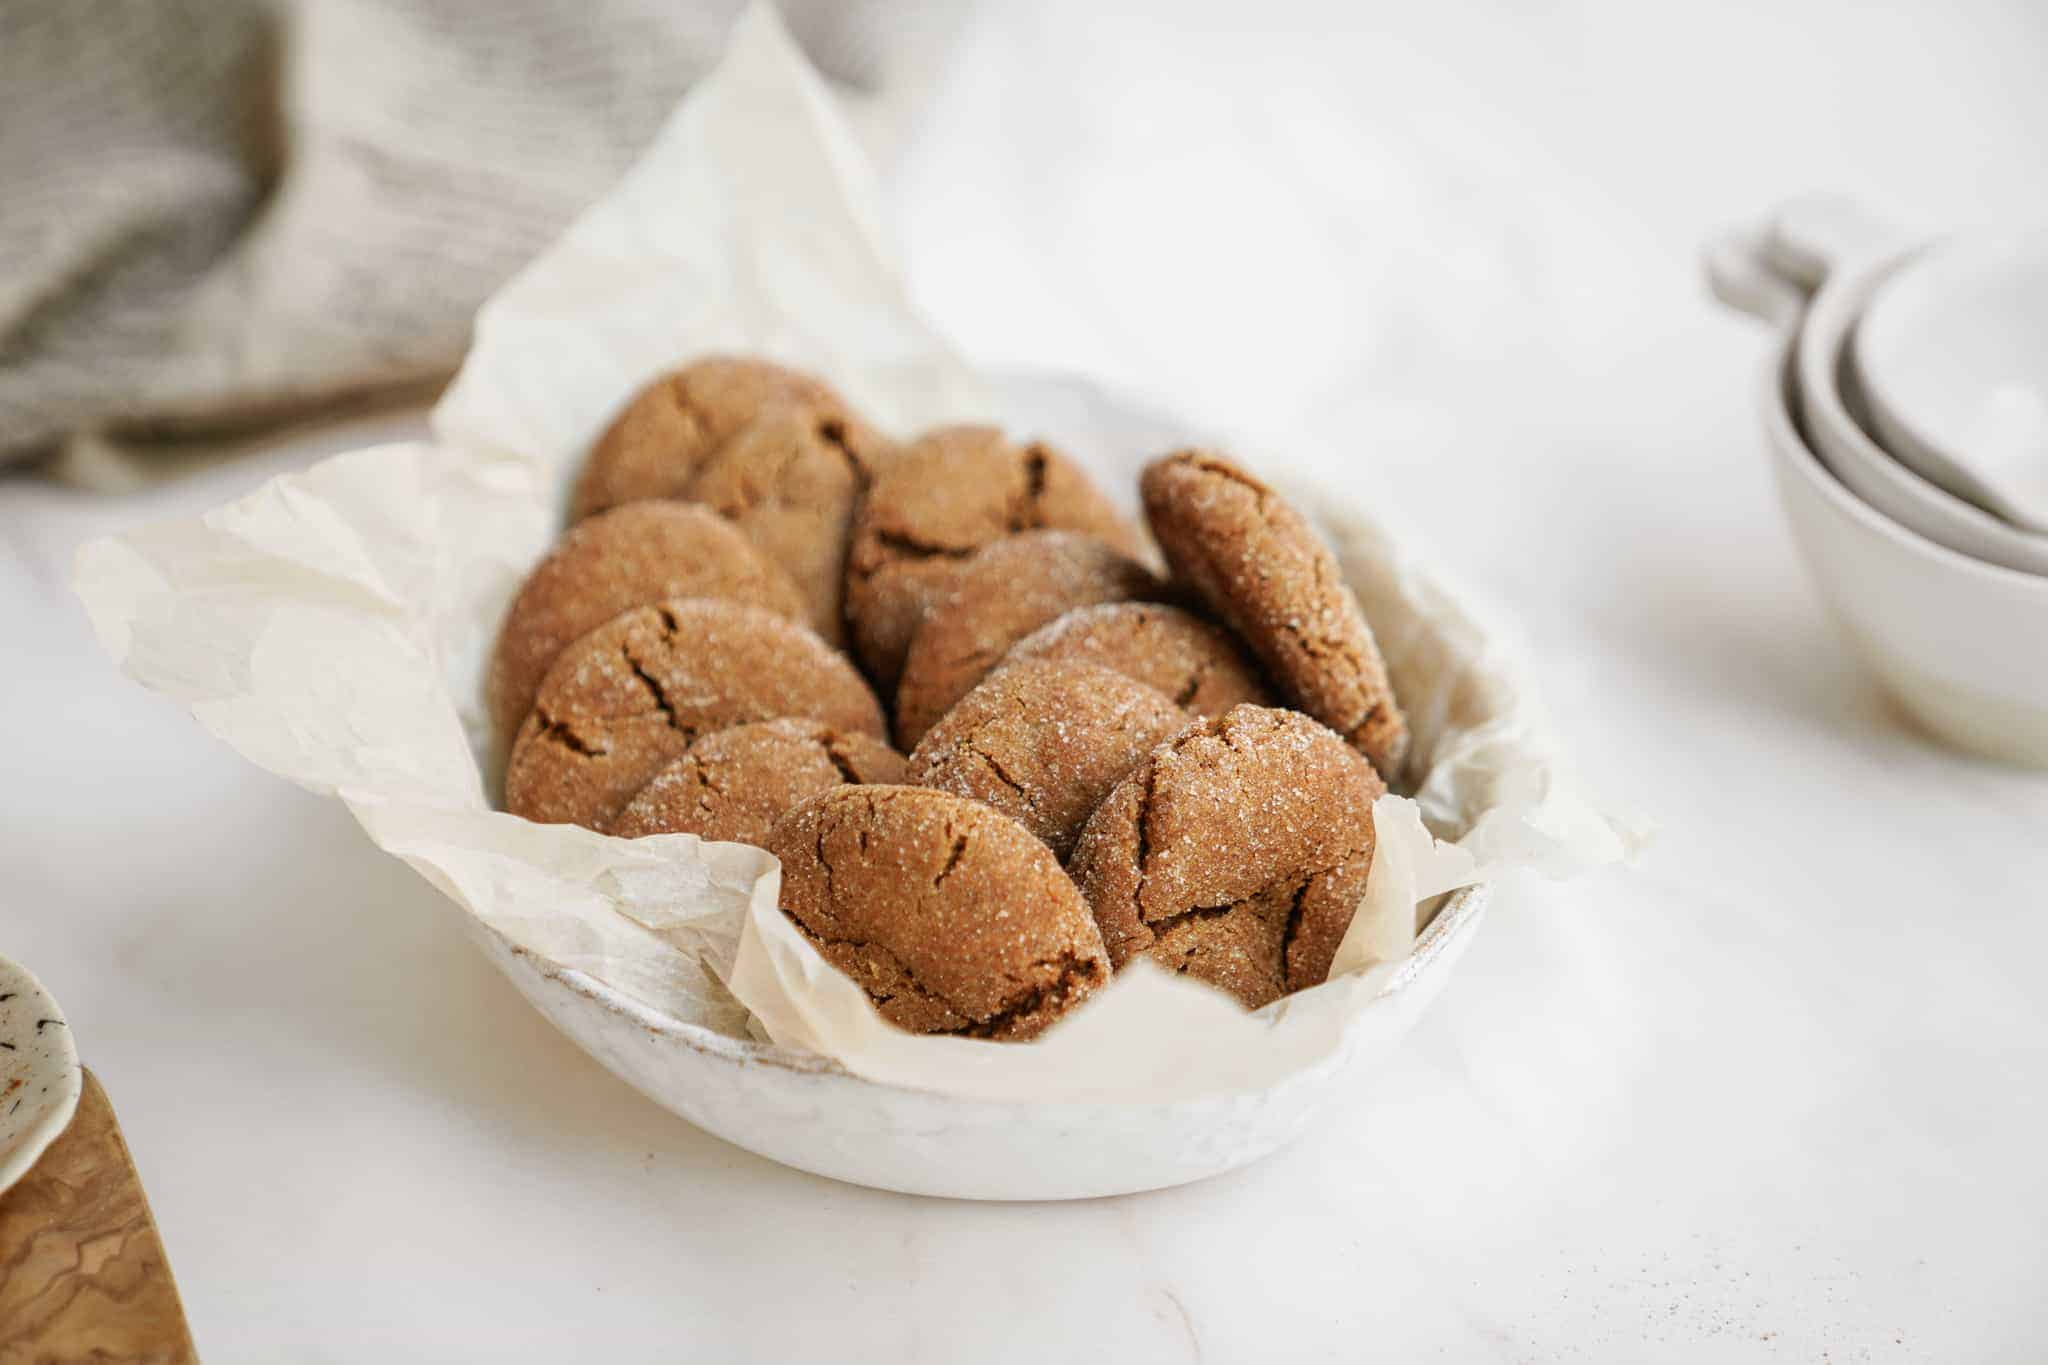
1812,237
1743,275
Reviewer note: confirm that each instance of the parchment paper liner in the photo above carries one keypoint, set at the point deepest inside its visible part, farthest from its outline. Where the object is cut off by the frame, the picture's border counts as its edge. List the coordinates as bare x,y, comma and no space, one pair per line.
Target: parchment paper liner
332,626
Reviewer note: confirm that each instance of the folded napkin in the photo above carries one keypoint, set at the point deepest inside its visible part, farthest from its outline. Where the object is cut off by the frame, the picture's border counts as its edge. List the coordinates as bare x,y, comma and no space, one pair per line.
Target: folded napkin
220,213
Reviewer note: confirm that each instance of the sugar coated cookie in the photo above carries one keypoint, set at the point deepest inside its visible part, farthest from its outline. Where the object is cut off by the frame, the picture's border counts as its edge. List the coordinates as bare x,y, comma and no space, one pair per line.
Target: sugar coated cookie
1228,853
951,915
629,698
1259,566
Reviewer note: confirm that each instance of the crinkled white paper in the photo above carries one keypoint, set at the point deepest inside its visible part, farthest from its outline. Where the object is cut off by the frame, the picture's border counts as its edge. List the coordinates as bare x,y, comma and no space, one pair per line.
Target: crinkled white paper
332,627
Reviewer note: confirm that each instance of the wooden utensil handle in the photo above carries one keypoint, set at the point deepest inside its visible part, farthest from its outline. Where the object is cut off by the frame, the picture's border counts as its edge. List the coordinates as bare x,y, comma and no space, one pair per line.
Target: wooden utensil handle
82,1272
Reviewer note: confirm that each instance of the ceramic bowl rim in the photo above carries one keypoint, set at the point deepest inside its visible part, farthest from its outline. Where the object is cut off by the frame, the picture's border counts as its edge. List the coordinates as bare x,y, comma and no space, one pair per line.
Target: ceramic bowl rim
1820,346
1780,385
1460,907
1887,320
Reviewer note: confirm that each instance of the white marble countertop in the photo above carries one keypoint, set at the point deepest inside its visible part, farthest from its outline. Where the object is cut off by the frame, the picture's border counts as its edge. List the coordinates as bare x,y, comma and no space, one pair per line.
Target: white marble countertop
1774,1094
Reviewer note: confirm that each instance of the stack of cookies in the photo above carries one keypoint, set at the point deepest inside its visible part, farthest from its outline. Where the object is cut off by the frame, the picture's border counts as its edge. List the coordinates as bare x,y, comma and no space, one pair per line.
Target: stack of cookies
1092,761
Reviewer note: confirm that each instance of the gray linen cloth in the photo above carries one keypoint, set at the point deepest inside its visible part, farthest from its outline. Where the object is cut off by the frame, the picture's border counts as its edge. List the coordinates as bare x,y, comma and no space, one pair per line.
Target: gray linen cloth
215,214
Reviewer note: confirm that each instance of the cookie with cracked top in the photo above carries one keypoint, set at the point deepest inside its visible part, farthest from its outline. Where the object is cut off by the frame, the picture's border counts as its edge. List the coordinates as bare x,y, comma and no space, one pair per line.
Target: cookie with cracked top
1043,742
627,557
630,697
790,479
1235,853
951,916
1008,589
661,438
1197,663
1260,566
937,501
734,784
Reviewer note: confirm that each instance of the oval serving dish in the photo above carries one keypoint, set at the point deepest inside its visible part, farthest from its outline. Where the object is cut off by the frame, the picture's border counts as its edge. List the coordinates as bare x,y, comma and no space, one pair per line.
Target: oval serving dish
809,1112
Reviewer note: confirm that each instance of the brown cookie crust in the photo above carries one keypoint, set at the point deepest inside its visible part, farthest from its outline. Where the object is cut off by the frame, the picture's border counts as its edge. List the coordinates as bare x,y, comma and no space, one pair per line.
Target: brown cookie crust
734,784
630,697
1261,567
951,916
940,499
655,445
789,479
1282,939
1197,663
1043,742
1227,854
1008,589
628,557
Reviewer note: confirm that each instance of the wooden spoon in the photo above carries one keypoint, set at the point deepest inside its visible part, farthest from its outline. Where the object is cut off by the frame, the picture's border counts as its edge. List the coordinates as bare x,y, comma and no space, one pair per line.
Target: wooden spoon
82,1272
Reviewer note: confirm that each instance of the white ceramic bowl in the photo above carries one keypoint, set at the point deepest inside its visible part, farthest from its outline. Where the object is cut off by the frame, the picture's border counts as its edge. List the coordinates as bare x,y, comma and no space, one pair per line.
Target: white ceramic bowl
1844,257
39,1077
1962,644
807,1111
1951,357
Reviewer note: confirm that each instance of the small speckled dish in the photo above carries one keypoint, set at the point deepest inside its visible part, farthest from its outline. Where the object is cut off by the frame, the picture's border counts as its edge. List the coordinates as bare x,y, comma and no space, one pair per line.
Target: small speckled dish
39,1077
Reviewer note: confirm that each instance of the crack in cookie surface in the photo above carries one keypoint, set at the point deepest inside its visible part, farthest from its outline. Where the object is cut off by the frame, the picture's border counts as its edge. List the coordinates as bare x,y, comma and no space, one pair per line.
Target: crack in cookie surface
908,545
1262,567
563,733
949,916
634,695
1045,742
1210,857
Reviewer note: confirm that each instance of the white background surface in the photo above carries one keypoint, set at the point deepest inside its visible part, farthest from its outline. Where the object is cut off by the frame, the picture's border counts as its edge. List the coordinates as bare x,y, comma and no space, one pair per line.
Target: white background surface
1775,1094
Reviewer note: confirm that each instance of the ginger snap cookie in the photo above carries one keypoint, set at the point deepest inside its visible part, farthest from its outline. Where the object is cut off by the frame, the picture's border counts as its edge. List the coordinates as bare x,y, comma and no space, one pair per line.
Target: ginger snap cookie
938,500
628,557
735,784
1259,565
789,479
657,443
630,697
1197,663
1008,589
1044,741
951,916
1231,853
